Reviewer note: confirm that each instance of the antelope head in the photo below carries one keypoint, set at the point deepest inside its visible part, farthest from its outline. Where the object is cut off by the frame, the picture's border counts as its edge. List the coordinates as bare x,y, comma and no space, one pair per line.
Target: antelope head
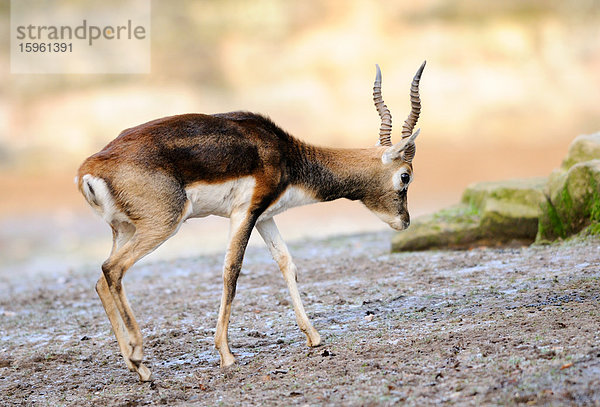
388,198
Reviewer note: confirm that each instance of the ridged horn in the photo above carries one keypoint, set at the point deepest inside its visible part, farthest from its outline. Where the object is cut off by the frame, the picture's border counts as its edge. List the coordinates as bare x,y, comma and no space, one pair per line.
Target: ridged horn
415,102
385,130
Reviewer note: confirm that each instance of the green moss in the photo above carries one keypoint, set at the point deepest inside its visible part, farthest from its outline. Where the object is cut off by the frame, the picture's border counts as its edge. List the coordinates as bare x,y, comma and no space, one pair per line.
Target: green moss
575,206
551,226
526,191
594,210
565,212
565,201
473,197
593,229
465,213
594,202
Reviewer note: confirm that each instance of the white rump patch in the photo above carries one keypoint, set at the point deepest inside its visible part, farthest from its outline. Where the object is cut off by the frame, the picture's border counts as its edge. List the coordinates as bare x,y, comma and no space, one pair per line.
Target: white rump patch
100,199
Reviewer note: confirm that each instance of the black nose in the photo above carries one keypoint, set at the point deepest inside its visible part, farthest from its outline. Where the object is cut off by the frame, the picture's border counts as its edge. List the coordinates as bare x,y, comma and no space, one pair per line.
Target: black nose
406,223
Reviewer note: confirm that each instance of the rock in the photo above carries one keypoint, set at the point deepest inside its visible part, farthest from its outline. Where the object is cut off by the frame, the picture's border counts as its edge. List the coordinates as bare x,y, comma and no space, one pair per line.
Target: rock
527,192
584,148
572,203
455,227
509,209
520,211
491,214
507,220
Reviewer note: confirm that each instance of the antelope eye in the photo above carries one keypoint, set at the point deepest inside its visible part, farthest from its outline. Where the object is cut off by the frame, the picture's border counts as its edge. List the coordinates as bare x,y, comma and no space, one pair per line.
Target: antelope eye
405,178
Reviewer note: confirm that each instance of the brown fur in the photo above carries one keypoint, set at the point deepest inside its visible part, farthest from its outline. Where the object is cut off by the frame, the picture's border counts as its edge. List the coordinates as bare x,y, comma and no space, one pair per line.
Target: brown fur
160,158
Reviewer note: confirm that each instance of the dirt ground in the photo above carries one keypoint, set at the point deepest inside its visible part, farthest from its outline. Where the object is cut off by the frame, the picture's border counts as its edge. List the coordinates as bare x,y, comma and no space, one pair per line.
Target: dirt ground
485,326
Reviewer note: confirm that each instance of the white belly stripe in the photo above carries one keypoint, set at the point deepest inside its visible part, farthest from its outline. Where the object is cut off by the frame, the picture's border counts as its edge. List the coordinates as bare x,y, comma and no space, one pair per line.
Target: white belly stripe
225,198
292,197
219,199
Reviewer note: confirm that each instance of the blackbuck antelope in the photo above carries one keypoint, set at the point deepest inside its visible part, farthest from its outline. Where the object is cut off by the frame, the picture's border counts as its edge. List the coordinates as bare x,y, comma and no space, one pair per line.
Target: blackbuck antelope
239,165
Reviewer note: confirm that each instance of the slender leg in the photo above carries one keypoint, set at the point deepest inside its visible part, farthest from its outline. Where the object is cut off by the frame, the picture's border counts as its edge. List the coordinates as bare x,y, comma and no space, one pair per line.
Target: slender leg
120,237
239,232
141,243
115,320
270,234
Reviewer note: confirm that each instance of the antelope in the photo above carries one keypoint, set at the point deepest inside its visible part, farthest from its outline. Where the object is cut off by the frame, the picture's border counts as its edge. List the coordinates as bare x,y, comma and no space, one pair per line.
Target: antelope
239,165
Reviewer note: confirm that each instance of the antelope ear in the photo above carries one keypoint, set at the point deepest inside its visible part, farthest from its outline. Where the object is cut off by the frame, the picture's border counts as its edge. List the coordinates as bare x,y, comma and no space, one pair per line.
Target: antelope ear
409,152
404,149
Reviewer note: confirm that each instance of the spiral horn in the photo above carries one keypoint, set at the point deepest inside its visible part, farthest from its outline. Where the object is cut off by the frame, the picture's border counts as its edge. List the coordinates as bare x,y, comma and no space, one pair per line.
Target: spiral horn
385,130
415,102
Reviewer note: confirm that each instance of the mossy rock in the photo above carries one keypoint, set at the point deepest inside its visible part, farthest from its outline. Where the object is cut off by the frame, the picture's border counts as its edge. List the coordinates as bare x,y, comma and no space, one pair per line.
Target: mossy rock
583,148
519,210
454,227
505,220
573,202
491,214
527,192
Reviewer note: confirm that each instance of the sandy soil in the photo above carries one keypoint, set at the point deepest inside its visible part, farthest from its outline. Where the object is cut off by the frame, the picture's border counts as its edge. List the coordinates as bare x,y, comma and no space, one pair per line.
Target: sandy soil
485,326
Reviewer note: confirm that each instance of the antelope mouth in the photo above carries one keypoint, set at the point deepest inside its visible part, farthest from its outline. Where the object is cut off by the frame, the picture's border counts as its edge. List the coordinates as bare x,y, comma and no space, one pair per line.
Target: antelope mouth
395,222
399,224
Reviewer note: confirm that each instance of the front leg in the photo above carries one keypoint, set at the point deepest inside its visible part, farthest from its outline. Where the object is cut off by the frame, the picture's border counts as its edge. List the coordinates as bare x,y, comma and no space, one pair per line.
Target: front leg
239,232
270,234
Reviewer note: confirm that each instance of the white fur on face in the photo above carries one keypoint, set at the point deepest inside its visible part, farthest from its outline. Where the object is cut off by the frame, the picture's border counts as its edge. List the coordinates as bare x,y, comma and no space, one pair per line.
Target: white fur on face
397,179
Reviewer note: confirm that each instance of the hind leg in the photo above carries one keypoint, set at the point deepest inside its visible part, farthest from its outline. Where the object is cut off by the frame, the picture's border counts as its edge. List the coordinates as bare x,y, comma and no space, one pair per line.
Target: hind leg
115,320
128,333
121,234
144,209
145,239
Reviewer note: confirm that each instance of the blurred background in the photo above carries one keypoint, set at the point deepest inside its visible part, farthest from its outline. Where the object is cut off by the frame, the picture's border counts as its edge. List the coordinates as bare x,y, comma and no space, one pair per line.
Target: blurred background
507,86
